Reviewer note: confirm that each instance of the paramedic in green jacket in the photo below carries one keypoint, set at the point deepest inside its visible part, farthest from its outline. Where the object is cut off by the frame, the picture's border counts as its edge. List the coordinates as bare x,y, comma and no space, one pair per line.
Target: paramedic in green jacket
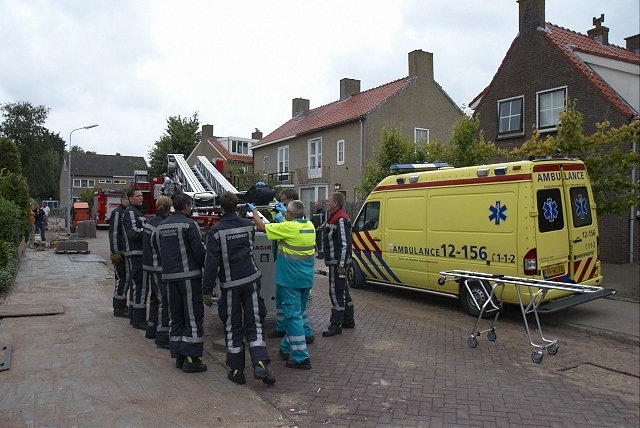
294,274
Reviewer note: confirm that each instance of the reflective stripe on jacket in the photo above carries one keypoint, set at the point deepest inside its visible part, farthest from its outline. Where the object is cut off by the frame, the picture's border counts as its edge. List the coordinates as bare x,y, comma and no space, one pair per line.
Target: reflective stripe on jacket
230,254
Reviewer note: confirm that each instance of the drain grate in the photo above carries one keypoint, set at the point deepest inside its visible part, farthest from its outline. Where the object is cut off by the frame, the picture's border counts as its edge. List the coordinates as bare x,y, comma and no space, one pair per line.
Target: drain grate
5,357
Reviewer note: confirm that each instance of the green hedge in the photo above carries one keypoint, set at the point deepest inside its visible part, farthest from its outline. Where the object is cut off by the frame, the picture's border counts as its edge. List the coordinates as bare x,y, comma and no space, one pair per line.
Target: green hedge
10,237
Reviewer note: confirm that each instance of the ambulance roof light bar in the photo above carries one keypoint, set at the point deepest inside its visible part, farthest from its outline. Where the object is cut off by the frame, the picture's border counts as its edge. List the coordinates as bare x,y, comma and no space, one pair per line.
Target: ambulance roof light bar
413,167
550,157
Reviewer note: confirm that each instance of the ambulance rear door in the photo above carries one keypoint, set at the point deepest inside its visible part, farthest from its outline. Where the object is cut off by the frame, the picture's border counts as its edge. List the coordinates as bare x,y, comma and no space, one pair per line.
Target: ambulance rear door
552,247
581,223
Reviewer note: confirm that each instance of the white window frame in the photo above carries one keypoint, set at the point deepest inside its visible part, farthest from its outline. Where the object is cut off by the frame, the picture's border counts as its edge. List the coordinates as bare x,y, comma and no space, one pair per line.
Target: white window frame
554,109
265,165
340,152
283,163
76,182
240,147
511,131
315,158
422,132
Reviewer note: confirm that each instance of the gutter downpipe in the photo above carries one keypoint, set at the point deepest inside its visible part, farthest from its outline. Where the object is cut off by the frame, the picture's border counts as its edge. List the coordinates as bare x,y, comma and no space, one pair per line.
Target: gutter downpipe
633,209
361,147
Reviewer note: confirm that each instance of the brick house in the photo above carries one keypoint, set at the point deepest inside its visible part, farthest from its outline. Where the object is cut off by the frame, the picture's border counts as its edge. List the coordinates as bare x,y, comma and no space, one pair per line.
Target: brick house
236,149
325,149
548,64
106,172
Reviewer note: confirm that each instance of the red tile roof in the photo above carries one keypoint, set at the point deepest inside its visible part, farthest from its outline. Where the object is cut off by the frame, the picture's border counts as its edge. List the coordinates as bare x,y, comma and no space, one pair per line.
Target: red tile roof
562,39
337,112
228,155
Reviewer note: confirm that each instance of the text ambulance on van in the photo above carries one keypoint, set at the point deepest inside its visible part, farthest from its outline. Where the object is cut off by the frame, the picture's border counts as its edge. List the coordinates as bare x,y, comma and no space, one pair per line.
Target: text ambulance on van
529,219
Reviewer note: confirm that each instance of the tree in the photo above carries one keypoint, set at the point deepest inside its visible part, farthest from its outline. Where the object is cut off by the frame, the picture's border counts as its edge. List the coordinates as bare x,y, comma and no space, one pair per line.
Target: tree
24,124
464,149
243,174
181,136
394,148
9,156
606,154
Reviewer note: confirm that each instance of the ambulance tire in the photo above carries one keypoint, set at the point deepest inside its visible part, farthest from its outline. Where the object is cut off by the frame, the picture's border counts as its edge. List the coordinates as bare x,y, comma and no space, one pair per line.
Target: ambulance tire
355,277
480,290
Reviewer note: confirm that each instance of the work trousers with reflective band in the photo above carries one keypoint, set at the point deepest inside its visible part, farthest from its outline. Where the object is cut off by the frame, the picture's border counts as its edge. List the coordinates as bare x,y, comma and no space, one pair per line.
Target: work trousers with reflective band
239,311
341,304
121,288
186,332
294,342
150,278
162,319
308,331
137,290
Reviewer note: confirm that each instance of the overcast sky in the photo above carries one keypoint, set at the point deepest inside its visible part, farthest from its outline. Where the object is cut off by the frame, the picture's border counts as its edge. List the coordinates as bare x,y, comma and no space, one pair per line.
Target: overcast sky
129,65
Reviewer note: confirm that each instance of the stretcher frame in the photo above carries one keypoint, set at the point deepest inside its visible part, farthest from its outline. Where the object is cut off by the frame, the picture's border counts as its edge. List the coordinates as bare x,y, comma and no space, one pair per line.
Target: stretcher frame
537,289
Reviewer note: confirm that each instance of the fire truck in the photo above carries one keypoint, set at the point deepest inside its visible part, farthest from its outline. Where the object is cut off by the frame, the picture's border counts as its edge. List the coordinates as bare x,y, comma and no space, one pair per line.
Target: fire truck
204,182
104,201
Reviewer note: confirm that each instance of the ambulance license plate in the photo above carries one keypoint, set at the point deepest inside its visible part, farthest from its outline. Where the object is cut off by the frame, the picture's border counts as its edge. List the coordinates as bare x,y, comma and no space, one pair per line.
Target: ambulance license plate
553,271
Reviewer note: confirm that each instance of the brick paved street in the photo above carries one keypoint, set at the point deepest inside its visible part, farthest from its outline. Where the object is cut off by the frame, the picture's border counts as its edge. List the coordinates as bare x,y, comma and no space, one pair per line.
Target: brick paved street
408,364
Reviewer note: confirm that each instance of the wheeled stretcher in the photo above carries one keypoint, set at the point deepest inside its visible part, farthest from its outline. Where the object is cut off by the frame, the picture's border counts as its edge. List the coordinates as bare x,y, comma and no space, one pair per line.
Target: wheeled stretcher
493,288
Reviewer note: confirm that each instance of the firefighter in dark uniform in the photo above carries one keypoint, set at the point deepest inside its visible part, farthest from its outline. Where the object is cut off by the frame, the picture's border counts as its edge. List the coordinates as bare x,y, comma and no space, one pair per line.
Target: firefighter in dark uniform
117,238
318,219
182,253
134,222
337,255
230,261
158,325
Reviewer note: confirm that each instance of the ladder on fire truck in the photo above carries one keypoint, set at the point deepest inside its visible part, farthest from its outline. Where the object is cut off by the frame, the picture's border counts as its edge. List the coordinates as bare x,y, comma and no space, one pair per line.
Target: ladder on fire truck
203,177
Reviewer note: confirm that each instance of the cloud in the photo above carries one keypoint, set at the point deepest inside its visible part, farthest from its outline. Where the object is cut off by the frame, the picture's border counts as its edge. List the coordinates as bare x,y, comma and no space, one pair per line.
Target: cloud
129,65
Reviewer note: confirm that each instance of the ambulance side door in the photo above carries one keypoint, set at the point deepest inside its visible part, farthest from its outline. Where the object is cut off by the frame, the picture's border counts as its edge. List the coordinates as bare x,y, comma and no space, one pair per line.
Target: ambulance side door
581,223
367,239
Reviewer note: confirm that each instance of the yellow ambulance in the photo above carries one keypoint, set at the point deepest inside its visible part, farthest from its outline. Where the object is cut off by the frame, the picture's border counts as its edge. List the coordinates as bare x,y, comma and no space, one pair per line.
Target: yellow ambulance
529,219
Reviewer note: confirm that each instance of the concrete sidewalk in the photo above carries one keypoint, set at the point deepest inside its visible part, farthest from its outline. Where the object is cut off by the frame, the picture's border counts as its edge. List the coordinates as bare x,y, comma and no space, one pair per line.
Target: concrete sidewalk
86,368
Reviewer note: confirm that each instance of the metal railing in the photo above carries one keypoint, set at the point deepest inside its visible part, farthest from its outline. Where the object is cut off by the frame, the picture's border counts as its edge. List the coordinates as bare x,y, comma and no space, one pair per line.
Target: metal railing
281,177
309,175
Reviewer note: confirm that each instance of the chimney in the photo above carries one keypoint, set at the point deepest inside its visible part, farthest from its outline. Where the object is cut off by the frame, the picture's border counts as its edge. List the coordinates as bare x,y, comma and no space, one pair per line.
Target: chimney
300,105
348,87
531,15
207,132
600,32
633,43
257,135
421,64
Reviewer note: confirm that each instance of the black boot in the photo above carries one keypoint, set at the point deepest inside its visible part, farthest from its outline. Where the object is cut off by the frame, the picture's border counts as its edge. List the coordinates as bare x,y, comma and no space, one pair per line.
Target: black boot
237,376
193,365
261,372
333,330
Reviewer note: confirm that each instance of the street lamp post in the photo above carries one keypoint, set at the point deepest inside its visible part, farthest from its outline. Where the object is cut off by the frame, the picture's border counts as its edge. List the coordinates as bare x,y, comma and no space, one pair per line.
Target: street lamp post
69,196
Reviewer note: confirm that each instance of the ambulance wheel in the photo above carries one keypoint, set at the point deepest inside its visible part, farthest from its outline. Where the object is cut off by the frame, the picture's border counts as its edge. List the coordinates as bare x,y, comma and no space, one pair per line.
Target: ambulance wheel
355,277
480,290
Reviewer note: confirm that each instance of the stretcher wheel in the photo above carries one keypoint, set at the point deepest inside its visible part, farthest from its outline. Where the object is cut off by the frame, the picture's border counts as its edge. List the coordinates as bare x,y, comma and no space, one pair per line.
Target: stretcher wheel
553,349
537,356
472,342
491,335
